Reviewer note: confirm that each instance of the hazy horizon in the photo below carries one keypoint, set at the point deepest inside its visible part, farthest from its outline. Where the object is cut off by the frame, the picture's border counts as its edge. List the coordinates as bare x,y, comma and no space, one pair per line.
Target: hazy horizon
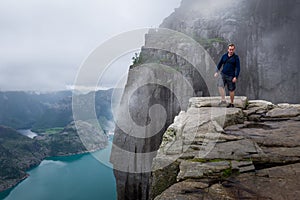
43,44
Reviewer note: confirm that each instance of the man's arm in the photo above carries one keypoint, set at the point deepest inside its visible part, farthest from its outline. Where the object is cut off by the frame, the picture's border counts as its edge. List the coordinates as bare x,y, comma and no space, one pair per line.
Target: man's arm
218,67
220,64
237,67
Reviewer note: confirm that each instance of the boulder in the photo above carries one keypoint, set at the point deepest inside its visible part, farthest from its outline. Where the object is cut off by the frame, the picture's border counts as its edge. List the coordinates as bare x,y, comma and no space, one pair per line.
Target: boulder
197,102
283,112
194,170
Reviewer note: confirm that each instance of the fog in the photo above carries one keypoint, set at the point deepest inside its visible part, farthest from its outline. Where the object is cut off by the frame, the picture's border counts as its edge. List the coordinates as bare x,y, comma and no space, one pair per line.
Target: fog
43,43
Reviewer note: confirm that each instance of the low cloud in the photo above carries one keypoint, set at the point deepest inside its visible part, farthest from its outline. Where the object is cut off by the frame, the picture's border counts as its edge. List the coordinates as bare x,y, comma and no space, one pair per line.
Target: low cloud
43,43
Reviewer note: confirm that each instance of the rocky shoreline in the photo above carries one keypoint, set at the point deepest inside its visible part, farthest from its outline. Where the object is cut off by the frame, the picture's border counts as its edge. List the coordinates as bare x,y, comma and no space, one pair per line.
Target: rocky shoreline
20,153
255,152
13,183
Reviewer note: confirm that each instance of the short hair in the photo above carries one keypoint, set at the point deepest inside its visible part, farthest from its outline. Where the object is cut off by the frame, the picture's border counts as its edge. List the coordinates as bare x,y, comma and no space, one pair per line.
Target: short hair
231,45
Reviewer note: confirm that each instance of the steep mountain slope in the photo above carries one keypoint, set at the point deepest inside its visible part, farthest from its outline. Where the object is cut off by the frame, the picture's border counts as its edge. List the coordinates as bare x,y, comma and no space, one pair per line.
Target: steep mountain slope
266,34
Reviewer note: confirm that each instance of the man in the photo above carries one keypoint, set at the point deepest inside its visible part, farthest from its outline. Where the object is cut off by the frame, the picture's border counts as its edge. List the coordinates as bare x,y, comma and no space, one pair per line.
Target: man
230,74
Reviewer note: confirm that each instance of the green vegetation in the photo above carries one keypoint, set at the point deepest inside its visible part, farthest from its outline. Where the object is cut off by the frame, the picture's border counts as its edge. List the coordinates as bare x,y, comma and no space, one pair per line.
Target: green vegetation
227,173
49,131
137,59
19,153
50,115
224,174
247,103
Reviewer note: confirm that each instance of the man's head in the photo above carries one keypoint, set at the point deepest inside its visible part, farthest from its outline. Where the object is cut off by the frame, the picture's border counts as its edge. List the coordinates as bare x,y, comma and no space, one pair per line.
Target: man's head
231,49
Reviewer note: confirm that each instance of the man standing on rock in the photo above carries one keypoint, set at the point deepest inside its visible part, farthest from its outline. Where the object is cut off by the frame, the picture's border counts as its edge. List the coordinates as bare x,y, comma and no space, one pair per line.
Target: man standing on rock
230,73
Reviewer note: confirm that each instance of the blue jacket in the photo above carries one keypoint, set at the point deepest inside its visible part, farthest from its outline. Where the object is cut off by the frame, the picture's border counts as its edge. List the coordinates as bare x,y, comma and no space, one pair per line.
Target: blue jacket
231,67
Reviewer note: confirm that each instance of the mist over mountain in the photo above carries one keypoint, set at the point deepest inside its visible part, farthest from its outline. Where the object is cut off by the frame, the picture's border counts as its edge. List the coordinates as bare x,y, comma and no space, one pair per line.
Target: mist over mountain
50,116
31,110
266,34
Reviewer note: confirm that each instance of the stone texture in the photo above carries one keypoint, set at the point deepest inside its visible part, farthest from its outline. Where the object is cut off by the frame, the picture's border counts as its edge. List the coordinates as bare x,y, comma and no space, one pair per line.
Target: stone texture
239,102
188,190
266,105
163,178
261,39
283,112
265,31
242,166
279,141
272,183
196,170
234,150
243,157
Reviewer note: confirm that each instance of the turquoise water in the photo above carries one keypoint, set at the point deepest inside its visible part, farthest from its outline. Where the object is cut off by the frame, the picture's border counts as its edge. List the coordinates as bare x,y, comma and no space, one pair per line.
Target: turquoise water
77,177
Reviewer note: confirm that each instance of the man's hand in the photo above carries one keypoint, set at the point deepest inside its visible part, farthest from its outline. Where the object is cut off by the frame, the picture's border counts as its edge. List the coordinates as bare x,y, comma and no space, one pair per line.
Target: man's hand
216,74
234,79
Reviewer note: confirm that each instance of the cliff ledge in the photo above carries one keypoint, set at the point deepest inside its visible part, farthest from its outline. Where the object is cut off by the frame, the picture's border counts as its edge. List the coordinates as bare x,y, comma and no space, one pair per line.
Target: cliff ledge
247,152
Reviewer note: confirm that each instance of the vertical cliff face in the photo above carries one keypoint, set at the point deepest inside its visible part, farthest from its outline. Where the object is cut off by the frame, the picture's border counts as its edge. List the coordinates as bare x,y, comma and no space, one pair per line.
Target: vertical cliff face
266,34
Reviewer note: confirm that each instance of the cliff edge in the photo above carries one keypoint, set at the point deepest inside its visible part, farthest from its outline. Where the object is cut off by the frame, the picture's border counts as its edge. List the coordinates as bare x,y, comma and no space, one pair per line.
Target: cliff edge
247,152
171,69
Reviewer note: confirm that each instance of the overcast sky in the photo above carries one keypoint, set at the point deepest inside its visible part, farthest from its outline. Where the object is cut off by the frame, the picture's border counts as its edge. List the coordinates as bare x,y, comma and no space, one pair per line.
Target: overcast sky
43,43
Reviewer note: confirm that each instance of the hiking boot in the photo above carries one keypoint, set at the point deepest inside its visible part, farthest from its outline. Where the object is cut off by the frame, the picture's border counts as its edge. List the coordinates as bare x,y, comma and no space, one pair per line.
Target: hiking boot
230,105
222,103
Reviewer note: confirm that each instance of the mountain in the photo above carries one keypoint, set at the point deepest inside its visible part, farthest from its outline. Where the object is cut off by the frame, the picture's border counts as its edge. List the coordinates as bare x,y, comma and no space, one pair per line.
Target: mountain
19,153
39,111
172,67
265,33
50,115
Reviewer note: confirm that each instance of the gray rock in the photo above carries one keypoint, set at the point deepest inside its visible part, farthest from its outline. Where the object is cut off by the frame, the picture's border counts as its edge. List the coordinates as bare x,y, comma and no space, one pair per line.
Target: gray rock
283,112
254,117
175,147
163,177
242,166
279,141
185,190
287,105
242,148
272,183
233,150
194,170
239,101
262,104
265,75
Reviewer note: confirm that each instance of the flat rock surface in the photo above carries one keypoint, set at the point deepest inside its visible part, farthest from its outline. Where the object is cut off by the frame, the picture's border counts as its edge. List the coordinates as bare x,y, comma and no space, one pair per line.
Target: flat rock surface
221,153
189,190
284,112
197,102
273,183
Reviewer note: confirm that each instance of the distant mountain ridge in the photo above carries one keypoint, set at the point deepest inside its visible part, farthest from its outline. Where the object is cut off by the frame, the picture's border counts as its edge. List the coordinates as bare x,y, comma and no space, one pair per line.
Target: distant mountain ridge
29,110
50,115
